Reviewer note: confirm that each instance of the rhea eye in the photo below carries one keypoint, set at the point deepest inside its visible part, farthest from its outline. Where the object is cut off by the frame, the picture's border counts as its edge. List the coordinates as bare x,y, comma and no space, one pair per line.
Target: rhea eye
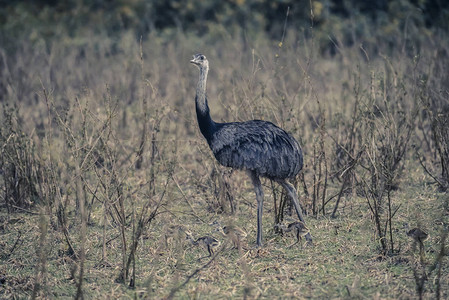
202,57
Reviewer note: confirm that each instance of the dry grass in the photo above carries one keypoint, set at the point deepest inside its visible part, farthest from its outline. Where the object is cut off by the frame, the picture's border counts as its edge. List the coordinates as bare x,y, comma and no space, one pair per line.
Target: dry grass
89,110
344,257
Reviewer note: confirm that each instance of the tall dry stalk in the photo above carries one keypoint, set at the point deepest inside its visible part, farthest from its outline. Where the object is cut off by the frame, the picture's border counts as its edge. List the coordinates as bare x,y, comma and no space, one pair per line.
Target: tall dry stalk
388,132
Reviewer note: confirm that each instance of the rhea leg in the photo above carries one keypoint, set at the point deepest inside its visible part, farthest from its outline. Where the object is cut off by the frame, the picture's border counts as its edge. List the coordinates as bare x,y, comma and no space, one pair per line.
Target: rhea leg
259,197
292,193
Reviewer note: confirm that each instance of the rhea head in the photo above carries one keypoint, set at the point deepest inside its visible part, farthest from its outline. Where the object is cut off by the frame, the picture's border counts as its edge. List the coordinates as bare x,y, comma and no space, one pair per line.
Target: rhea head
200,61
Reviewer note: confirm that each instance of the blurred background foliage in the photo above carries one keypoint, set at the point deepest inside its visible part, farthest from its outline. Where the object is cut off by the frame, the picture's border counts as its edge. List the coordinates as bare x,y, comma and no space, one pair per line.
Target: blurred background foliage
351,20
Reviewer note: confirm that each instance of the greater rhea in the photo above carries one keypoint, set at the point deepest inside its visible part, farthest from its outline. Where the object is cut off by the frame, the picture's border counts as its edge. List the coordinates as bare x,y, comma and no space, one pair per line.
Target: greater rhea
259,147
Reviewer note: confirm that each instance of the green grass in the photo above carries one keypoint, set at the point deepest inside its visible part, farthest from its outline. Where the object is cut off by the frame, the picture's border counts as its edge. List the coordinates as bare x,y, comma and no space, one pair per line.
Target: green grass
344,256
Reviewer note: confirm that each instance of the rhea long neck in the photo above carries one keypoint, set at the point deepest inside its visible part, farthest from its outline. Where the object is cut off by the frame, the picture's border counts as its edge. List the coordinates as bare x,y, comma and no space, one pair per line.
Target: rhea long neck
206,124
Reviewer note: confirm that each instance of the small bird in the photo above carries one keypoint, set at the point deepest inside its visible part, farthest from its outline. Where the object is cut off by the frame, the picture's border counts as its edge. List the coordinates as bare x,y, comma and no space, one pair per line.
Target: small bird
418,235
300,227
208,242
234,233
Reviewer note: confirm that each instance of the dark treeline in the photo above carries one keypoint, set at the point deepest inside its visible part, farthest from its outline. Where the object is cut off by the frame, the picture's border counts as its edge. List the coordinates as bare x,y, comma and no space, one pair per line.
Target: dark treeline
45,19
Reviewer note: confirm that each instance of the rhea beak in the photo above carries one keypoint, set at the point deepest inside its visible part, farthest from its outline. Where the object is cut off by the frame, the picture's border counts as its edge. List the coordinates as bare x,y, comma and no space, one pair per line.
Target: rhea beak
194,61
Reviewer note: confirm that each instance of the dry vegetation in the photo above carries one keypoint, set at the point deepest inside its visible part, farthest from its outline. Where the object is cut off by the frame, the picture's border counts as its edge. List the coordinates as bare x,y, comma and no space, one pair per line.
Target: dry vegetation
103,168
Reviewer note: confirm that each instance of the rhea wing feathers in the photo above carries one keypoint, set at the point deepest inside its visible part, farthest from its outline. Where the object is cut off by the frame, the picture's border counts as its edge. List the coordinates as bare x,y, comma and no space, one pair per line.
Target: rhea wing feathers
259,146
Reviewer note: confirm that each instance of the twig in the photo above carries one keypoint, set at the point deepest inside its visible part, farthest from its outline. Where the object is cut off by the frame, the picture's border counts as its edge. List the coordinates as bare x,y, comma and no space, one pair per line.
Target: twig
187,200
421,162
14,246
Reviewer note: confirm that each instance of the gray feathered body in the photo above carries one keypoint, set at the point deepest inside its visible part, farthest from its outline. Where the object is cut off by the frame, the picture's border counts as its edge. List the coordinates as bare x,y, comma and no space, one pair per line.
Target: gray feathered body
258,146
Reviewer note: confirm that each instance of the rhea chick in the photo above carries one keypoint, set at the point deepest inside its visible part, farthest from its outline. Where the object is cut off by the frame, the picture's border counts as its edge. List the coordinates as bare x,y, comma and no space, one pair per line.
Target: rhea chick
300,228
208,242
418,235
234,233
